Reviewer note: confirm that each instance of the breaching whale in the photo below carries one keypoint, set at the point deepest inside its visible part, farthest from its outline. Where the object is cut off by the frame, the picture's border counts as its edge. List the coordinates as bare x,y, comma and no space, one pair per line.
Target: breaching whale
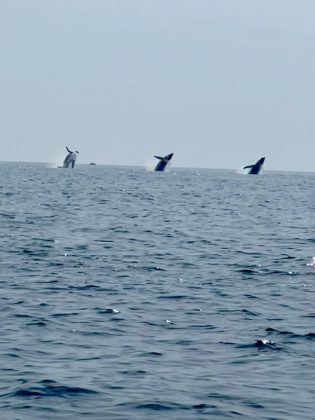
163,161
255,169
70,158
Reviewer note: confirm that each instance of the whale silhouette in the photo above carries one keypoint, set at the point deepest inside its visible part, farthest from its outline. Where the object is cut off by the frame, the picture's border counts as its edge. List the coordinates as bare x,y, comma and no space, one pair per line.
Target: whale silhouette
70,158
163,161
255,169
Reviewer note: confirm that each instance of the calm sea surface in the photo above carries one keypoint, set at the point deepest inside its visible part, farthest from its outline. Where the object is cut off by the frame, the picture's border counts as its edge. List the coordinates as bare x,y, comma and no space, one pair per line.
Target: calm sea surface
127,294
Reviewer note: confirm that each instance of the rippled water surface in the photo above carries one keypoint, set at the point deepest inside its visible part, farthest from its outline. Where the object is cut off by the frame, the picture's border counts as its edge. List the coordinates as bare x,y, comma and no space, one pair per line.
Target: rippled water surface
127,294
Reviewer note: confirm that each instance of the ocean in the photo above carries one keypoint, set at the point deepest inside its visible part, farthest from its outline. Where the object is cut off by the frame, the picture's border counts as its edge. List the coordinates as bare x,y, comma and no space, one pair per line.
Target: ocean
128,294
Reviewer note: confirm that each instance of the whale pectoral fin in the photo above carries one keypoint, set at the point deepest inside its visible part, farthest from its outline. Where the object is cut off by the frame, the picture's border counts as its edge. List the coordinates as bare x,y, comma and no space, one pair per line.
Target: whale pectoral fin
159,157
248,166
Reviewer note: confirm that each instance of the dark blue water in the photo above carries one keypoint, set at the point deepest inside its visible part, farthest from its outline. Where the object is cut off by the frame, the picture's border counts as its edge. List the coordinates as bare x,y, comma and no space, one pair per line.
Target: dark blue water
127,294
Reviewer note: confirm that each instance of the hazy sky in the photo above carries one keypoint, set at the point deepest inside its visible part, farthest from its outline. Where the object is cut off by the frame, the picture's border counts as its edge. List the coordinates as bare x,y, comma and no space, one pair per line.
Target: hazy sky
218,82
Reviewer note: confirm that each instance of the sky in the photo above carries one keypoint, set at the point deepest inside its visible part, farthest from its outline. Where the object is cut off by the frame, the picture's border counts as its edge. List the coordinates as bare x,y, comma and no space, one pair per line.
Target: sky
218,82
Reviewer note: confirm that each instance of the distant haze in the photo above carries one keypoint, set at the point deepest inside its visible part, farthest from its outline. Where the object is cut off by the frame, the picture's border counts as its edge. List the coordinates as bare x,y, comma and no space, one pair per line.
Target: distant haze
218,82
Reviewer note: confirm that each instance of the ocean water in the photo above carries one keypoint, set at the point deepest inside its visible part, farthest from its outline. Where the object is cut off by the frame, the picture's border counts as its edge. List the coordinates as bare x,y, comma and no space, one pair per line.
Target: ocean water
127,294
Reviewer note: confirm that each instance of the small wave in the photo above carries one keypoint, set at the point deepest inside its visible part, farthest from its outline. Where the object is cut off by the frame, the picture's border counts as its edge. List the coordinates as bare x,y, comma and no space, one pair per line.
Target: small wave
249,271
86,287
44,240
35,253
37,323
263,342
133,372
309,335
157,406
311,315
7,215
249,296
154,268
64,314
23,316
107,311
244,311
50,388
151,353
260,344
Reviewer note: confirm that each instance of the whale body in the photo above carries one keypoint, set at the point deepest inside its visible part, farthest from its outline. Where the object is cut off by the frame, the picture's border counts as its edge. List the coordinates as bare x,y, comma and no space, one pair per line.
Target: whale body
255,169
163,161
70,158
